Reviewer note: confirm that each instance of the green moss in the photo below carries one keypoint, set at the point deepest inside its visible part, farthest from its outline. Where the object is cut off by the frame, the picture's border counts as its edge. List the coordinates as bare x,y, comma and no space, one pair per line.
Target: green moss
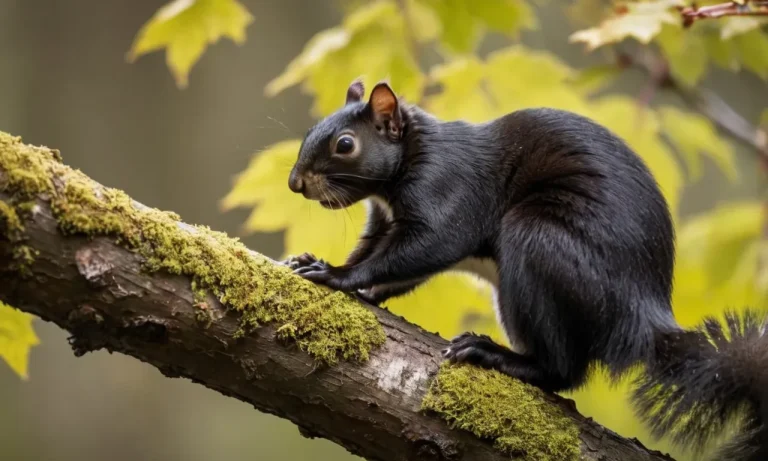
10,223
514,415
328,325
25,166
11,229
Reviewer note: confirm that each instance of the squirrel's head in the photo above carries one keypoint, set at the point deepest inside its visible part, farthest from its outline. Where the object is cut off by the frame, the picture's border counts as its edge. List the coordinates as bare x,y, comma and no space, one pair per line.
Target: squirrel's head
350,154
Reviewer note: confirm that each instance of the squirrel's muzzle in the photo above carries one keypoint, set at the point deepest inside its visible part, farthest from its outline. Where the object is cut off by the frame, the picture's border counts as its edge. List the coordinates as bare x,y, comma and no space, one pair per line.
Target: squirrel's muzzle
296,182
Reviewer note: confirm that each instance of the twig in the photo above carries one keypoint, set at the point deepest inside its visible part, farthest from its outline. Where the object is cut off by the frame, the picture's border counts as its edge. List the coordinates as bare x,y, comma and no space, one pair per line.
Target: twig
748,8
713,106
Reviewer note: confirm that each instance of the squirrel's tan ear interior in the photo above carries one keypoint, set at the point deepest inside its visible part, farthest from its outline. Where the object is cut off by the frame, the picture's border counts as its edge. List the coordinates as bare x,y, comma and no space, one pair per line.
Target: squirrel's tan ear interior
383,101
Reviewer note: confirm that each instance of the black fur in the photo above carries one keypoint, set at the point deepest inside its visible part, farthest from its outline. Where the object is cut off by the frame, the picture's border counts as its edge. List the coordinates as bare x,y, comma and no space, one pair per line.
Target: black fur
584,245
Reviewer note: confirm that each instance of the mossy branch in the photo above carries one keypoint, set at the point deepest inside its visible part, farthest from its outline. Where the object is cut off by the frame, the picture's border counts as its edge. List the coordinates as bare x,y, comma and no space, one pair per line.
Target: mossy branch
197,304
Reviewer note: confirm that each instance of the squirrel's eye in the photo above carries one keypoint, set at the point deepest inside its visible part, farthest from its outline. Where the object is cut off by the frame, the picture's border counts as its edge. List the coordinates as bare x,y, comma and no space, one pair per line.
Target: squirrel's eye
345,144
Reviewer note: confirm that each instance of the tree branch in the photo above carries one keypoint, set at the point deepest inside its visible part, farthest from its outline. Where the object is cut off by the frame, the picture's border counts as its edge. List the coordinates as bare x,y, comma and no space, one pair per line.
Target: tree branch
692,14
96,264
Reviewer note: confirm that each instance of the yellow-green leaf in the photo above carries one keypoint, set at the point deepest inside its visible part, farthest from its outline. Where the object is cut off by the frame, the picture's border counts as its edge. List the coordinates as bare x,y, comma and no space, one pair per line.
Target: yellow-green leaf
423,22
370,44
329,234
263,186
595,78
16,339
539,79
641,20
694,135
716,240
186,27
265,176
476,91
508,17
585,12
450,303
464,21
459,32
685,51
316,49
752,47
736,25
371,56
721,52
462,95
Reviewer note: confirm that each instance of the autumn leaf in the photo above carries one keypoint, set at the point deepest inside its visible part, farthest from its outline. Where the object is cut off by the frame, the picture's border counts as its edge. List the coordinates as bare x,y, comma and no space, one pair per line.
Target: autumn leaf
641,20
16,338
186,27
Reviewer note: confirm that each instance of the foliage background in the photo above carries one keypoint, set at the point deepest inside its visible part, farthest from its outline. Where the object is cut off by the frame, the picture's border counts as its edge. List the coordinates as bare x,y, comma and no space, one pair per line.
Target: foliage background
175,139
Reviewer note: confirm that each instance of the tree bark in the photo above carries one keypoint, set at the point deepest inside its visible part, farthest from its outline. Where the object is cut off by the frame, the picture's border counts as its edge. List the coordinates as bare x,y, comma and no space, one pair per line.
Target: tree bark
97,290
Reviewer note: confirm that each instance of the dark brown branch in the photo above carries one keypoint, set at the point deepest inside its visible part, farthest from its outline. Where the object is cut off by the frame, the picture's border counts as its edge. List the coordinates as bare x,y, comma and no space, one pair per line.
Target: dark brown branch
98,291
692,14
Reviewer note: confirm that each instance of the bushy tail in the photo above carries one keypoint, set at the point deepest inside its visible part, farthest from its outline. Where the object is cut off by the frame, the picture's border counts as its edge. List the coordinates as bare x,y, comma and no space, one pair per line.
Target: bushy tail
702,380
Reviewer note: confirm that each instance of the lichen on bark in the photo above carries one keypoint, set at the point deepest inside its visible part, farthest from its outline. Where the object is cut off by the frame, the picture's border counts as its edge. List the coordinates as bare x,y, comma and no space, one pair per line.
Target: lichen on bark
328,325
516,416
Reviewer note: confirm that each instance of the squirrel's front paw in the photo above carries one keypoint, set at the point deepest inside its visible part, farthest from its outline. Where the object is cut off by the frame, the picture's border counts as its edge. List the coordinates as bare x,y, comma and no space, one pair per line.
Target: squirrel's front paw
318,272
295,262
323,273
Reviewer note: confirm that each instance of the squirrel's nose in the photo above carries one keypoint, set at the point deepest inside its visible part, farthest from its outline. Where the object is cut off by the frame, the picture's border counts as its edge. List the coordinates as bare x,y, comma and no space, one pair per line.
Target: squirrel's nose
295,182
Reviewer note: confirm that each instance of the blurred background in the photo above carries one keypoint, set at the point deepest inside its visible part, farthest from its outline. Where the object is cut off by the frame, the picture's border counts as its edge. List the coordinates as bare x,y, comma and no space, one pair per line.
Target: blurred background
65,83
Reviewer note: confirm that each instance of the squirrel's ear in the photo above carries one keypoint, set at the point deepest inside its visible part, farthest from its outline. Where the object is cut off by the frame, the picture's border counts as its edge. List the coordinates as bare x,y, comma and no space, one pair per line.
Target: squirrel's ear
355,91
385,107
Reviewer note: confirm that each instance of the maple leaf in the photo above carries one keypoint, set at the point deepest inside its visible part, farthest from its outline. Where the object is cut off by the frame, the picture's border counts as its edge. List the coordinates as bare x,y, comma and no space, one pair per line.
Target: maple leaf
642,21
16,338
186,27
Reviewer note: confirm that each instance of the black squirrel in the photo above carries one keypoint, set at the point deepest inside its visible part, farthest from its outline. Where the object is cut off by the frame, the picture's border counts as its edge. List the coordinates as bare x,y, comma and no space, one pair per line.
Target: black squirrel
579,240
